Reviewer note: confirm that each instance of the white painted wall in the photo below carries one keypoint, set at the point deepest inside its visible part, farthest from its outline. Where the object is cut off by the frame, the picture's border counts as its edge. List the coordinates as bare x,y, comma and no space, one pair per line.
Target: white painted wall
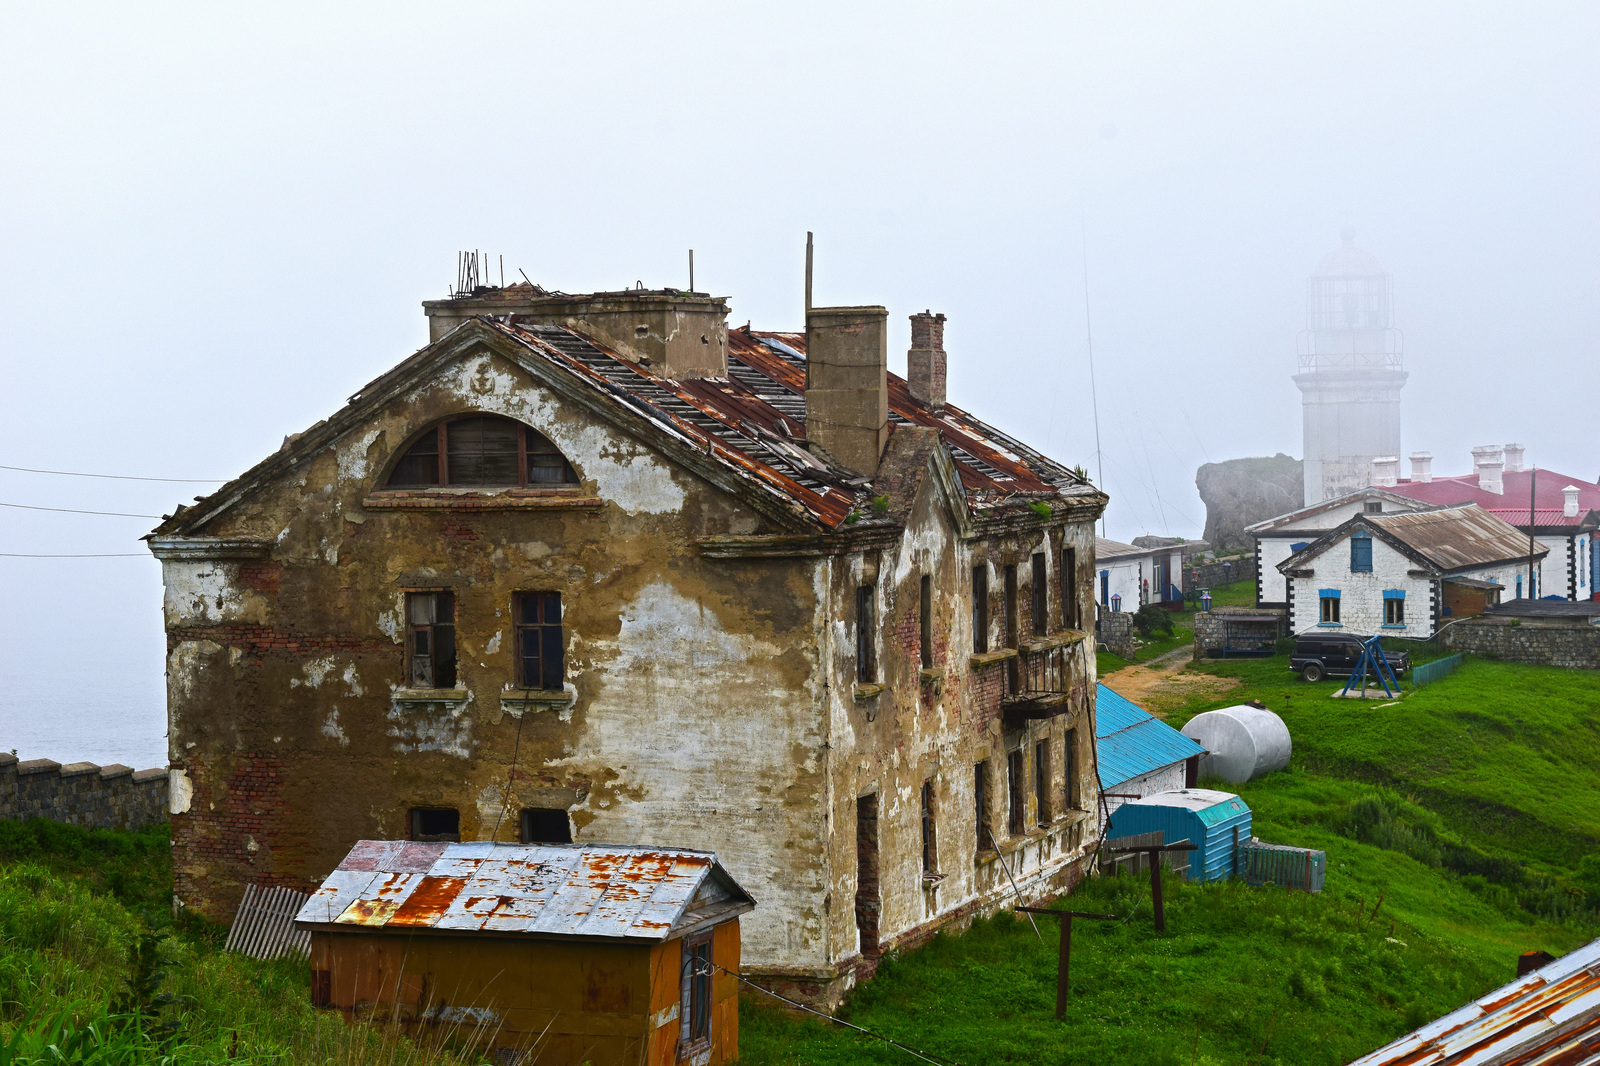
1164,779
1124,581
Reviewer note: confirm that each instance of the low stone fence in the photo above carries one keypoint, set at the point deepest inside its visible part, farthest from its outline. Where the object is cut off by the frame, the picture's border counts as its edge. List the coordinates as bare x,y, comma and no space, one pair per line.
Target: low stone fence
100,797
1216,575
1544,642
1238,631
1114,629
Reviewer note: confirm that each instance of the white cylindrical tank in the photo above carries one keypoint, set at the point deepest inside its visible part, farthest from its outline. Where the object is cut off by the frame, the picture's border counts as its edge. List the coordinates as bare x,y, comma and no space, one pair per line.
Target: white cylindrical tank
1241,743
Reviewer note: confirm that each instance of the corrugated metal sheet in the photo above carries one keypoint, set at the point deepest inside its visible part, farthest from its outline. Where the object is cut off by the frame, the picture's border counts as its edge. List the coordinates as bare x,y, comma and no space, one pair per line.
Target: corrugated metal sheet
1456,537
1203,817
1550,1017
567,890
1114,549
1129,741
264,926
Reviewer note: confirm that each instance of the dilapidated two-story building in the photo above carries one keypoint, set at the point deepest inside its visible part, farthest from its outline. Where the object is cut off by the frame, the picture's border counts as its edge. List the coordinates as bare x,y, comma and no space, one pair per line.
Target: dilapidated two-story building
599,568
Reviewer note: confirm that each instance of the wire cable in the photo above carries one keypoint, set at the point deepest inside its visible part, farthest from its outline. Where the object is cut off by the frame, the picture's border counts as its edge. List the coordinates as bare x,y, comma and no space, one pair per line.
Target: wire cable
119,477
74,510
90,555
936,1060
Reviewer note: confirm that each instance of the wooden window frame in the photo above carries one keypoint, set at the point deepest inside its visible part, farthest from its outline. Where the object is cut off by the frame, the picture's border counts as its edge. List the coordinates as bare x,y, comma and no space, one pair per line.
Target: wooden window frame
1394,612
866,636
1016,791
1041,782
1325,616
925,622
691,1042
930,829
980,806
540,630
980,608
1069,770
1069,588
527,447
1040,590
1008,596
430,642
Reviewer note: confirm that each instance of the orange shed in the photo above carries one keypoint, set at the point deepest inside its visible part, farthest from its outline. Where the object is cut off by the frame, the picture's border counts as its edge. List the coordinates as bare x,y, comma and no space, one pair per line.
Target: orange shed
555,953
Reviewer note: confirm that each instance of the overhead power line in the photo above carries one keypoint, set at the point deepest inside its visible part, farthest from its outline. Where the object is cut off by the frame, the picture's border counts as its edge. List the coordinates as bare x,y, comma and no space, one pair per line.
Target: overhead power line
74,510
120,477
91,555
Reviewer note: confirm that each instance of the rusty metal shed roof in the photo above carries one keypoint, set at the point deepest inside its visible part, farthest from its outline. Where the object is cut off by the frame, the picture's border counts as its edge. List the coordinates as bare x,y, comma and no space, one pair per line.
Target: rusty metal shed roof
589,891
1447,540
1550,1017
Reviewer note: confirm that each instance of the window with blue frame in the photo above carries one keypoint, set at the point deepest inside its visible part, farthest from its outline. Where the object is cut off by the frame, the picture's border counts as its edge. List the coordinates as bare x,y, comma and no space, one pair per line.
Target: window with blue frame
1394,607
1329,615
1361,553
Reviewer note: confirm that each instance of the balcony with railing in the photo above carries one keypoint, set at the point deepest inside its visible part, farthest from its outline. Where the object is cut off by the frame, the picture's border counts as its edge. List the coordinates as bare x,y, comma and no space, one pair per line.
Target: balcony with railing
1041,680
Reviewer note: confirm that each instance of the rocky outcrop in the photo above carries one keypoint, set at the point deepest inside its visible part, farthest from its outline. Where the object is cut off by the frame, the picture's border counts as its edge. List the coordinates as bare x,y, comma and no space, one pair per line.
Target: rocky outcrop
1241,492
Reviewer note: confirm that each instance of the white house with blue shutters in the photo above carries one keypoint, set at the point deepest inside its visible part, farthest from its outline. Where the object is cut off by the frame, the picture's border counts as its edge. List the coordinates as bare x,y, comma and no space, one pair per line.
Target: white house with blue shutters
1390,574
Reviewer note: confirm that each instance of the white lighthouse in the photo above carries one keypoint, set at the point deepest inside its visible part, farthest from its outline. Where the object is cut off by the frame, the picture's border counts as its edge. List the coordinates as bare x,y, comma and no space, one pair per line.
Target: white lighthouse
1350,372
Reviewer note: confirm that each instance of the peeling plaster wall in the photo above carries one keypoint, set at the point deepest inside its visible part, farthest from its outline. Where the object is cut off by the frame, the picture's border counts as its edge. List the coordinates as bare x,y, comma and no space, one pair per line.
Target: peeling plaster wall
713,701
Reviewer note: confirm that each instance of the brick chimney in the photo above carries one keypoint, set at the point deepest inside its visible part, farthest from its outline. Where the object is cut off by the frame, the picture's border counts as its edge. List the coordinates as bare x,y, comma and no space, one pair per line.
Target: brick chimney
1422,467
1514,453
1385,471
1569,501
847,384
925,363
1490,463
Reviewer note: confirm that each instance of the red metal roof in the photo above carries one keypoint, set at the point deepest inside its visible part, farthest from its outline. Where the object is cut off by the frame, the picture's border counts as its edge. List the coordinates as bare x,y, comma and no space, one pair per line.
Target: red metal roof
1464,488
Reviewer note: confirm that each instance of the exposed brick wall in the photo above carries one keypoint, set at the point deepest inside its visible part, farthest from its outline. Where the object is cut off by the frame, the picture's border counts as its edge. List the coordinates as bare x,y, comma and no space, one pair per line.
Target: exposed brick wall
100,797
225,829
1574,645
261,577
260,640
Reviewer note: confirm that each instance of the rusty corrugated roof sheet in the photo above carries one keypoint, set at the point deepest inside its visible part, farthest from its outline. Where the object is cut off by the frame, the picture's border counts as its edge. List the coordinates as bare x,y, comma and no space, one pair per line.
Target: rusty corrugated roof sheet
1456,537
755,419
613,892
1550,1017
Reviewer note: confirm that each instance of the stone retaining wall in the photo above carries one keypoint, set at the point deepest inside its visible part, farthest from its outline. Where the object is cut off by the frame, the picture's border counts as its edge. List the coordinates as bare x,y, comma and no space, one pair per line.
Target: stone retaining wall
81,793
1114,629
1216,575
1211,629
1542,642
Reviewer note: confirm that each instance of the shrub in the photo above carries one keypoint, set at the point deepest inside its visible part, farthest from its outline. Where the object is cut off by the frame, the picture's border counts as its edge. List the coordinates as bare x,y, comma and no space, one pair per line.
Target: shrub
1151,619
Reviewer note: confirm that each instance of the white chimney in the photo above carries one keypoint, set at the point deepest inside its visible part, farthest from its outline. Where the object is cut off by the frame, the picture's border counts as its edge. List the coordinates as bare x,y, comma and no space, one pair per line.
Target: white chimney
1514,458
1489,461
1422,467
1569,501
1385,471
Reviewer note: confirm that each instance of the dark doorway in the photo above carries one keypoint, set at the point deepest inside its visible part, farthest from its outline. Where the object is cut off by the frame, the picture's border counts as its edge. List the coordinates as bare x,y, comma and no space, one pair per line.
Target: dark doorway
868,903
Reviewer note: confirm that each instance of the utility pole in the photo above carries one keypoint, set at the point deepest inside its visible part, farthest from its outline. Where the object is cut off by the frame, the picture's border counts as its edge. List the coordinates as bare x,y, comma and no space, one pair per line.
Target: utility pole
1533,484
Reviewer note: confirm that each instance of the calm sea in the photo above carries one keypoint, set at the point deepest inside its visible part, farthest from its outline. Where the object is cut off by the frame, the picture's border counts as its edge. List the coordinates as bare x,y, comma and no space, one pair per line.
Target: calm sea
85,717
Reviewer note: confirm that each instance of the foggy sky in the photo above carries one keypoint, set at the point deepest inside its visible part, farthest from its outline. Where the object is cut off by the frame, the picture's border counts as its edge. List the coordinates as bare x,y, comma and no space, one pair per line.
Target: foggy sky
217,224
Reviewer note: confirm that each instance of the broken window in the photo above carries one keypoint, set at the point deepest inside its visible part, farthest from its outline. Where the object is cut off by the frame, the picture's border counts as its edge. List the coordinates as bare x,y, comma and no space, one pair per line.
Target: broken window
1041,782
1041,603
1069,588
1018,820
435,823
1069,770
930,845
925,621
980,804
866,657
431,636
545,825
481,451
695,1007
1010,605
541,642
980,609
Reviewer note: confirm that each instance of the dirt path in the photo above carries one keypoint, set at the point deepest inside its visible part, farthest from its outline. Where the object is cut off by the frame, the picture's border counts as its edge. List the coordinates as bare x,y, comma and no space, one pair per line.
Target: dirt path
1166,682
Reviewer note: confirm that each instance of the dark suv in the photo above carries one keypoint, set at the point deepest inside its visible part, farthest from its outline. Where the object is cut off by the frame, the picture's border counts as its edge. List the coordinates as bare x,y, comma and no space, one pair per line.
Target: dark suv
1316,655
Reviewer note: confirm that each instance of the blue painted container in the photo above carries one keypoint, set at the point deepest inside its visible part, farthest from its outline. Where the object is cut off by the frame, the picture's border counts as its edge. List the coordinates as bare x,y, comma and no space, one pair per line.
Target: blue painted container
1202,816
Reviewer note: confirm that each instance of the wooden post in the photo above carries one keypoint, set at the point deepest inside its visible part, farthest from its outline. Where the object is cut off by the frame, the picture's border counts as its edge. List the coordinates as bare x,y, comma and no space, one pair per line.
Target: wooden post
1064,956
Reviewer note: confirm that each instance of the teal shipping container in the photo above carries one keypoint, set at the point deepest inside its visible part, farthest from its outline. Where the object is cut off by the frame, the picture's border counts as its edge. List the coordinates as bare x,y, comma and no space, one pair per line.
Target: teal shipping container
1208,819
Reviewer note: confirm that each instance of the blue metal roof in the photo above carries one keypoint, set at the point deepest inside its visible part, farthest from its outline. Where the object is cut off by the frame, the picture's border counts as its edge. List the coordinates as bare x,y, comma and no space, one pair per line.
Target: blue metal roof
1130,741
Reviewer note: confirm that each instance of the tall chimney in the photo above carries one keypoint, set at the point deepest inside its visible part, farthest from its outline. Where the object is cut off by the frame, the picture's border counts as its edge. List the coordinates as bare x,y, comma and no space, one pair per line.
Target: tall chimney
1569,501
1514,453
1422,467
1385,471
925,363
1489,462
847,384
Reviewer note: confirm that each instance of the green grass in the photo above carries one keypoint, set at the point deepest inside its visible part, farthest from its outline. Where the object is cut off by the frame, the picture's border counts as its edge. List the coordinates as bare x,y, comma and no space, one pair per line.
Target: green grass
93,967
1240,593
1461,825
1146,650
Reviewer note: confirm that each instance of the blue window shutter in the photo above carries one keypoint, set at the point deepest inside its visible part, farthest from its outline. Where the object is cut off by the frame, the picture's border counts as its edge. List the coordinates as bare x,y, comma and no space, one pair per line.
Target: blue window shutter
1361,553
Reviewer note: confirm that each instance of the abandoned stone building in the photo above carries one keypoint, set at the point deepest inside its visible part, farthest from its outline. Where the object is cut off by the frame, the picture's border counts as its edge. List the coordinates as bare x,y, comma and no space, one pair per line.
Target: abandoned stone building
600,568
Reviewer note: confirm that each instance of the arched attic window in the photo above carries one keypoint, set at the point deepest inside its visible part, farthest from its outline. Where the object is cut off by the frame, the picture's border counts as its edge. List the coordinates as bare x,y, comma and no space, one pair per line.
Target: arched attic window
481,451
